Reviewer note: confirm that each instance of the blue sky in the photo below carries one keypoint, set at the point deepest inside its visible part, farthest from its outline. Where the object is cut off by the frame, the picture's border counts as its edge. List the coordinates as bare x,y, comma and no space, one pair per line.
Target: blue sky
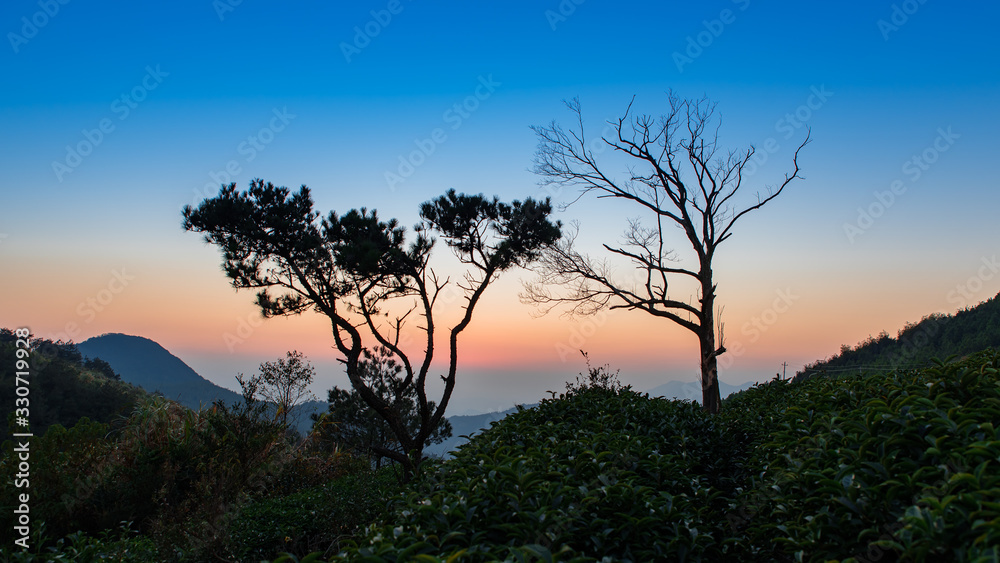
169,100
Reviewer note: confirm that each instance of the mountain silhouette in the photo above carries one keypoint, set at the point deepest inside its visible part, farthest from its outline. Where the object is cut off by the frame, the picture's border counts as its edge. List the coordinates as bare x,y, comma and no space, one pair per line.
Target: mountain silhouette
143,362
465,426
691,390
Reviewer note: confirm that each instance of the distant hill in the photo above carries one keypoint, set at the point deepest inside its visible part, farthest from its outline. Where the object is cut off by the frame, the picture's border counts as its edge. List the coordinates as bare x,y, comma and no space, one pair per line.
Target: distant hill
469,425
939,336
691,390
465,426
142,362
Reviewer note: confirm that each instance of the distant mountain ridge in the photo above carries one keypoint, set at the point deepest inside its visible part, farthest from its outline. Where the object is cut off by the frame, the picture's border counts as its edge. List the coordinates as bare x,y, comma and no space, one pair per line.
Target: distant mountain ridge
147,364
691,390
143,362
966,332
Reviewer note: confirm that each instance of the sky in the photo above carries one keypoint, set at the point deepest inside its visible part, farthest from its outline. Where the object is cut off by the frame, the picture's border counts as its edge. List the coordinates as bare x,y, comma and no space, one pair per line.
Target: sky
115,115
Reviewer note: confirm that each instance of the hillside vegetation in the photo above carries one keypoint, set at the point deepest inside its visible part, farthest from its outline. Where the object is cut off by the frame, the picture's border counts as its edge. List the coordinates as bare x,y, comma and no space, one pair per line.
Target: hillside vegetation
147,364
65,386
935,336
171,484
898,467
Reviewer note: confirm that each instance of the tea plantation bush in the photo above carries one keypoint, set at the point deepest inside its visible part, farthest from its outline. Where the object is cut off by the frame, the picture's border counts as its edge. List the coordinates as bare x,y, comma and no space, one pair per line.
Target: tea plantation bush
596,472
885,467
903,466
316,518
122,546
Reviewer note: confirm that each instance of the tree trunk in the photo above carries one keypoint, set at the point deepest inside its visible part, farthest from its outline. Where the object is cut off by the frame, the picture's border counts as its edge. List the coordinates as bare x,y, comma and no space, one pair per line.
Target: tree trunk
710,396
408,470
408,462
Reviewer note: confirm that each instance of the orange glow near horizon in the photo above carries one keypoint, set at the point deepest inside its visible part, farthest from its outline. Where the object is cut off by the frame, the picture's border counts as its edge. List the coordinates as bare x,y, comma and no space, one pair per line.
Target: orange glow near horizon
194,309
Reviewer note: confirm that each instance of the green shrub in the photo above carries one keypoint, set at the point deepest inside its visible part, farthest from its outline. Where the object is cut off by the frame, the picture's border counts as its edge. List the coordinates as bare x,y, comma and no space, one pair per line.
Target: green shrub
904,466
65,472
122,546
314,519
890,467
303,467
186,473
599,472
179,475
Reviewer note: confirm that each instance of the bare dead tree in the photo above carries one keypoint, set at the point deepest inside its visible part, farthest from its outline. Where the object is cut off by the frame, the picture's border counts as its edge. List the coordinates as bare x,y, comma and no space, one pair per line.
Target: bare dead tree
677,179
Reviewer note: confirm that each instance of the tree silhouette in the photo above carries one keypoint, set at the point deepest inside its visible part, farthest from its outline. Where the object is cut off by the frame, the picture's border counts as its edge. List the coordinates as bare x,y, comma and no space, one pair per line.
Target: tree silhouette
352,424
360,273
102,367
676,177
285,383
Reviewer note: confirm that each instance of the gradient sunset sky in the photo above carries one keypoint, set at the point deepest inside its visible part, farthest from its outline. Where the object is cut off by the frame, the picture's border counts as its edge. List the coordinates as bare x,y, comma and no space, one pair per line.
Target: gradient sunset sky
115,115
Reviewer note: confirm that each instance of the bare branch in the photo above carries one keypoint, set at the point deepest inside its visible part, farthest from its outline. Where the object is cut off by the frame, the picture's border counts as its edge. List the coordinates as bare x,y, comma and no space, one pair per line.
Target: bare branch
677,177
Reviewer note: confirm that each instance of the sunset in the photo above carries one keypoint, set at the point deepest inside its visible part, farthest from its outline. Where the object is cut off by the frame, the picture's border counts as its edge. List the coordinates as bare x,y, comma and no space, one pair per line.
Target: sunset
881,118
253,94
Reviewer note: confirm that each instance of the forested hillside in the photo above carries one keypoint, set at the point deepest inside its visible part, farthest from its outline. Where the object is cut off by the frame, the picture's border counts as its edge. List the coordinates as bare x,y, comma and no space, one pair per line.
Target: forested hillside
936,336
64,386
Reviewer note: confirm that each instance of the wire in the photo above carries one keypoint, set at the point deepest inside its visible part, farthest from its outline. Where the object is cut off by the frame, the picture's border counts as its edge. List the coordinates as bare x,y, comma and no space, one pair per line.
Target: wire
861,368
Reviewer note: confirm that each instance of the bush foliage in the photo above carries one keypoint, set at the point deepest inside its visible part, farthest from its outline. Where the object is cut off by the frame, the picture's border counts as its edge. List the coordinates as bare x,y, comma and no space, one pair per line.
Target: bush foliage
314,519
904,466
179,476
891,467
897,466
65,386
